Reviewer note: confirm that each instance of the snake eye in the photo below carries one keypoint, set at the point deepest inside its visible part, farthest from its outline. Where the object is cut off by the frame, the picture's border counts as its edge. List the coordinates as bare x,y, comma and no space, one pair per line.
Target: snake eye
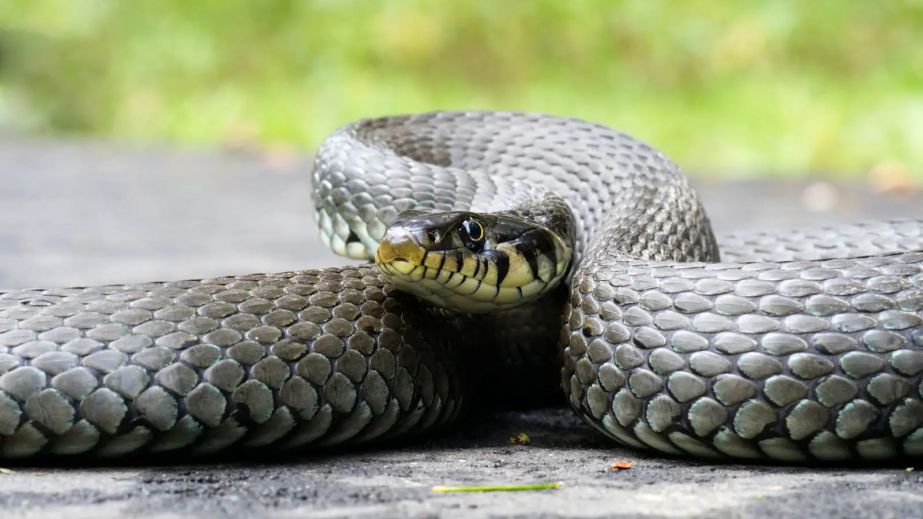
472,234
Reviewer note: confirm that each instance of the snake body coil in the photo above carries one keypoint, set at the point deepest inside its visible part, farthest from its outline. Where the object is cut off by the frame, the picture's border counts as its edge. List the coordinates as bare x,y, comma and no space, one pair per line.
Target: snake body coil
808,345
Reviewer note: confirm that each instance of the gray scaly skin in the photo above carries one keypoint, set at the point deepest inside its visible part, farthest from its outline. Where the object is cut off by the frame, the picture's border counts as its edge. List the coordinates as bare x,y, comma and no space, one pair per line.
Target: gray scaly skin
774,358
289,359
788,354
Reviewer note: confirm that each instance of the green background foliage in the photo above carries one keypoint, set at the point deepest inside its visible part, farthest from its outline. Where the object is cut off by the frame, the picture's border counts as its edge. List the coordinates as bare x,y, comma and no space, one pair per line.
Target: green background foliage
777,87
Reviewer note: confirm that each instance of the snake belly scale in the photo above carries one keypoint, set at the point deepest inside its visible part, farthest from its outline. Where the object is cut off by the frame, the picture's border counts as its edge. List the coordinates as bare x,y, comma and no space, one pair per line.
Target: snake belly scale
800,346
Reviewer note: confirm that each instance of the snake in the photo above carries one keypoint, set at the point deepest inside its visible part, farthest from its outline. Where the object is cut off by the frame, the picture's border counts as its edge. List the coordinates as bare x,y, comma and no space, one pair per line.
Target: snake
514,255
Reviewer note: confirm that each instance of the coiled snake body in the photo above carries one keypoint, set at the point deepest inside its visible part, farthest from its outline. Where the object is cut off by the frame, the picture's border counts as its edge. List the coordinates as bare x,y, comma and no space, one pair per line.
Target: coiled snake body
805,345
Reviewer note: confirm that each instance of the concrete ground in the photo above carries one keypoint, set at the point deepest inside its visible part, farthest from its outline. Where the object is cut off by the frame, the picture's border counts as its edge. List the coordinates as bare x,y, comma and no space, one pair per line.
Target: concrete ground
76,213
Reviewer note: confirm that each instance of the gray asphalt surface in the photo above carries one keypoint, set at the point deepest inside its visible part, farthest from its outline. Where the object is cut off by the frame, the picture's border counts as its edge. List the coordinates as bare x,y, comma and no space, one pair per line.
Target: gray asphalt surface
77,213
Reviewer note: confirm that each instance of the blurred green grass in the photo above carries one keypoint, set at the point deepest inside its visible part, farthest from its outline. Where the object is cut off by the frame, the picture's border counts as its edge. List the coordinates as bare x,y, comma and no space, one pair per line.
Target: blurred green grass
737,88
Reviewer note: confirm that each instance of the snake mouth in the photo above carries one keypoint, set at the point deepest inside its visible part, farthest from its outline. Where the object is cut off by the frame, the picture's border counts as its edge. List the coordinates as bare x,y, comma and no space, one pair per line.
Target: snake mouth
399,266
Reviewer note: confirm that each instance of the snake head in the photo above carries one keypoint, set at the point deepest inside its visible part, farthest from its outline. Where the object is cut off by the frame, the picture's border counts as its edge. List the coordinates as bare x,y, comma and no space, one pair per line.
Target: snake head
472,262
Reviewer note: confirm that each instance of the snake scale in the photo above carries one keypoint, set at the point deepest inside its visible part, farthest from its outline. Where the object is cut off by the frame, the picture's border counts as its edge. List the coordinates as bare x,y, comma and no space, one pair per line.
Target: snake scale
799,346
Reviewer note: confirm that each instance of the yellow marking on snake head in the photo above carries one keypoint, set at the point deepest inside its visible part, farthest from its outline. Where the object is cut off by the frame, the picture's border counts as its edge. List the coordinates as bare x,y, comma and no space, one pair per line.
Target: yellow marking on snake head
472,263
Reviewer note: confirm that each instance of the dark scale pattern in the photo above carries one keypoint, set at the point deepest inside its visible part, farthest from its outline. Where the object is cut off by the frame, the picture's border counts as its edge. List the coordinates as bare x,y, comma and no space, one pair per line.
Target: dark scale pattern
793,356
791,361
290,359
